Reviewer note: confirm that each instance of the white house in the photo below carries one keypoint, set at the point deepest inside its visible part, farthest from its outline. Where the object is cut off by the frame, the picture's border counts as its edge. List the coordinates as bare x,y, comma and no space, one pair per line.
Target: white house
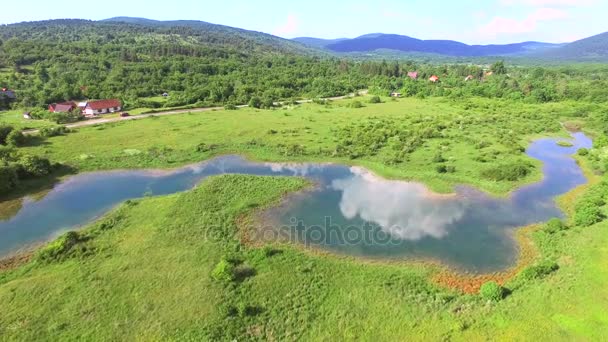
102,107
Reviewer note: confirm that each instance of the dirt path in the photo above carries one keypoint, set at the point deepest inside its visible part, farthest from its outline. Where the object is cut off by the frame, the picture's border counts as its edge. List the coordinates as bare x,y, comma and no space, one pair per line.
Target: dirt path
173,112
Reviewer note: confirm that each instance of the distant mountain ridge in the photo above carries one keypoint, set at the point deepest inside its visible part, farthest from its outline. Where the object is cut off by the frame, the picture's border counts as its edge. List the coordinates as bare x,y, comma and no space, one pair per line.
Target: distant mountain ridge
380,41
591,49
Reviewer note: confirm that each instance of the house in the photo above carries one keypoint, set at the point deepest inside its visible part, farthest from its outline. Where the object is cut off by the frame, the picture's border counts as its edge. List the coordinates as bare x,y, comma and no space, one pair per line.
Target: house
413,75
393,94
81,105
469,78
27,115
165,94
434,78
102,107
63,107
8,93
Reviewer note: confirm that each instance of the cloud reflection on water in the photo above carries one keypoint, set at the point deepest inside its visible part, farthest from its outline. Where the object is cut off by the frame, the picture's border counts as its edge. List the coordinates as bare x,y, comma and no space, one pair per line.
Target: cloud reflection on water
407,211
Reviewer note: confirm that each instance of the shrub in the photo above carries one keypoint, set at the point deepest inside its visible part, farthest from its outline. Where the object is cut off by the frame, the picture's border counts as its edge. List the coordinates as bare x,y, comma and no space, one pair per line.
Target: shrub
231,106
15,138
48,132
539,271
8,178
582,152
202,147
223,271
268,103
441,169
587,215
508,172
255,102
554,226
5,130
375,99
58,249
33,166
492,291
356,104
438,158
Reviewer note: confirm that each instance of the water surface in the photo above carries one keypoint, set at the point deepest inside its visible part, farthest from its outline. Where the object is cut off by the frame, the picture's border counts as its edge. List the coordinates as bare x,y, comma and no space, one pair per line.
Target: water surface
350,211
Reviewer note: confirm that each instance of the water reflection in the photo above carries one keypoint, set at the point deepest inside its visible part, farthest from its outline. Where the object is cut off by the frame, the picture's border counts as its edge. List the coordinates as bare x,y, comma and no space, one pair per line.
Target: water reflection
405,210
468,229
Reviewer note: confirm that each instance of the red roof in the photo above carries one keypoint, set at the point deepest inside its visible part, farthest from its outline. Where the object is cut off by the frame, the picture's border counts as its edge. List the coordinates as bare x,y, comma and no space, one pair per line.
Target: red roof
413,74
104,104
434,78
62,107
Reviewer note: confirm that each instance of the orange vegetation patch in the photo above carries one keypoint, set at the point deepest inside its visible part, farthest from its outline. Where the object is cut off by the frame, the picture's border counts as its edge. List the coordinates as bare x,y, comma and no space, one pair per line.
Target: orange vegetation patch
472,283
14,261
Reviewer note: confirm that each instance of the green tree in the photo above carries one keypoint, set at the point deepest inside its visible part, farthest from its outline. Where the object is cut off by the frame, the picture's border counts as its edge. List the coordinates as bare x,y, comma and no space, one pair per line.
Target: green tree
499,68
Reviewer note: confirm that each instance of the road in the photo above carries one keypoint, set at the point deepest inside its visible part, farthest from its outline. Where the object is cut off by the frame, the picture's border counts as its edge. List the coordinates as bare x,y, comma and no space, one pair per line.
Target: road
99,121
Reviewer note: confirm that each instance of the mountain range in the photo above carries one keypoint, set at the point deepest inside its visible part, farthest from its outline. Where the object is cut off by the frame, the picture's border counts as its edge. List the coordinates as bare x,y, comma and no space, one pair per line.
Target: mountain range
592,49
379,41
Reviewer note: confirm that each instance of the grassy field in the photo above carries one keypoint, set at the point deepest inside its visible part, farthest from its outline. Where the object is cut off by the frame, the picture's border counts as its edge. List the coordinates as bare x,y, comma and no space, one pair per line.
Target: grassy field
469,137
175,268
15,119
148,271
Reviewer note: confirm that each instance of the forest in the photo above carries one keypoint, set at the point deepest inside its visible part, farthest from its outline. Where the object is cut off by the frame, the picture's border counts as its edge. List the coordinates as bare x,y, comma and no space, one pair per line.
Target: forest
199,65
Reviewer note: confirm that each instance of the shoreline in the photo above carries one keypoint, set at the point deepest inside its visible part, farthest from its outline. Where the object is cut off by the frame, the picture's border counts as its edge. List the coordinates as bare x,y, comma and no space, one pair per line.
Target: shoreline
450,273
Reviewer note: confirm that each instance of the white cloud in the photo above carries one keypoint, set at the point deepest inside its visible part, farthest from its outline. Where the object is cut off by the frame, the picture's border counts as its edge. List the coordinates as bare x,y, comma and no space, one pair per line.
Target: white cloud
290,26
407,211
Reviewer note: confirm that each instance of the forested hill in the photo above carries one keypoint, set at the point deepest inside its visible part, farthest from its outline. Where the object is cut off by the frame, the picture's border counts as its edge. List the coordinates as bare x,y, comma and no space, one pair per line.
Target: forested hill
199,63
592,49
189,32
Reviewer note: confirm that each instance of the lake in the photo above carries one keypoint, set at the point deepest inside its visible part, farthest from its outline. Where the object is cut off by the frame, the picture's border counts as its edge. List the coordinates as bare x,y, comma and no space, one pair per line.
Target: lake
350,211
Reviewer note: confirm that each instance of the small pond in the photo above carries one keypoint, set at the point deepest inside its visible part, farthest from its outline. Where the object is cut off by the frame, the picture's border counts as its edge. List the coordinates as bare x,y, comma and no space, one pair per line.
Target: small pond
351,211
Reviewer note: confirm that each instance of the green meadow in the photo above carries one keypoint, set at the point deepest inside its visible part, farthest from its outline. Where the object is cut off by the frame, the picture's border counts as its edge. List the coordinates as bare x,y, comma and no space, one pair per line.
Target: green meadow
176,267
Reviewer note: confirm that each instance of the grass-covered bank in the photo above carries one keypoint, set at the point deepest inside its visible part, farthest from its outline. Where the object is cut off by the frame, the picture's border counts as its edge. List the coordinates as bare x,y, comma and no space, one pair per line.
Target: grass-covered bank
149,271
438,142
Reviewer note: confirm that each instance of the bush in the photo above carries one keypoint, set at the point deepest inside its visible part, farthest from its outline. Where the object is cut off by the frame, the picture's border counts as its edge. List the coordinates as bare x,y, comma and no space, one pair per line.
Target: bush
58,249
231,106
48,132
255,102
202,147
223,271
375,99
5,130
356,104
539,271
15,138
438,158
554,226
33,166
492,291
441,169
8,178
582,152
508,172
587,215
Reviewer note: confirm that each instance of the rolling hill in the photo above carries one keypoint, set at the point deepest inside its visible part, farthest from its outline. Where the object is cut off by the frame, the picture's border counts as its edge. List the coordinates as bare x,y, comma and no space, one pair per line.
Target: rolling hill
592,49
379,41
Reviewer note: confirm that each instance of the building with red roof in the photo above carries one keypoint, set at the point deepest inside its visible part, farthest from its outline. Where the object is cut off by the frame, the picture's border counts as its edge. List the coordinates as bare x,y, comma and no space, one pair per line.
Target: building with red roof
93,108
62,107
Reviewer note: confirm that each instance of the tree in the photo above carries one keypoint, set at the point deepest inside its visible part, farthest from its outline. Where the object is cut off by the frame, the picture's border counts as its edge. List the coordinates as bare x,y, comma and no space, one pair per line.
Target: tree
255,102
499,68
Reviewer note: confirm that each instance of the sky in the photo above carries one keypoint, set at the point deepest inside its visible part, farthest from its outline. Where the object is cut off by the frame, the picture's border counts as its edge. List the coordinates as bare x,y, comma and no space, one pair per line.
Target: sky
469,21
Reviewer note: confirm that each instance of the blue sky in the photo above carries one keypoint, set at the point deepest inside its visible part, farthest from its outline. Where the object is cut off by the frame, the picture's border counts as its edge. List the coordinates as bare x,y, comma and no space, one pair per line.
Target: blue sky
470,21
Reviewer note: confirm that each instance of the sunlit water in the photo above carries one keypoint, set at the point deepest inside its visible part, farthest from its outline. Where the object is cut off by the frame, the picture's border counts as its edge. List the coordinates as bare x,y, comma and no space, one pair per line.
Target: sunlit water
349,211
